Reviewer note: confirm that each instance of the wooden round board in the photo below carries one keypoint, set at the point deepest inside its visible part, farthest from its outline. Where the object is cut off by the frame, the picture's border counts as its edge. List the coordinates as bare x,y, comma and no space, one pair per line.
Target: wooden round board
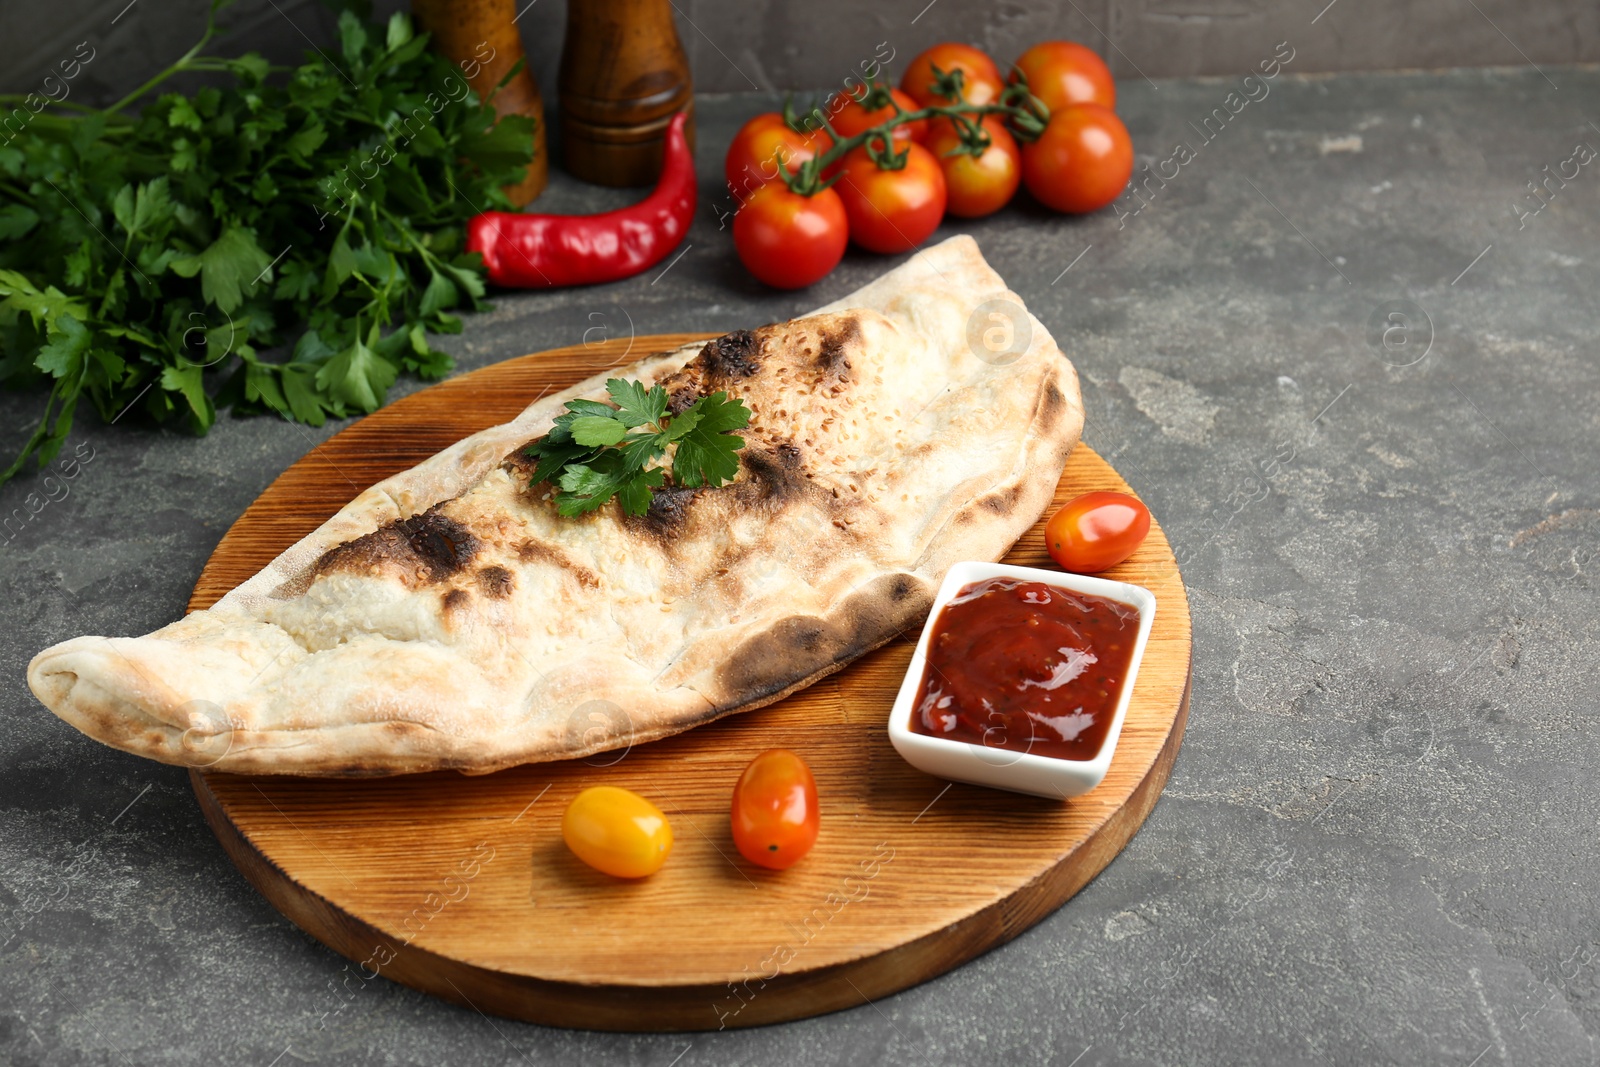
461,886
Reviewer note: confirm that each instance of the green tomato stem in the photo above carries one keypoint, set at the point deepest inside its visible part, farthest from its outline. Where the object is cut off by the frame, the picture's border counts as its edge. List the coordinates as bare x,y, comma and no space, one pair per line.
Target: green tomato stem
807,180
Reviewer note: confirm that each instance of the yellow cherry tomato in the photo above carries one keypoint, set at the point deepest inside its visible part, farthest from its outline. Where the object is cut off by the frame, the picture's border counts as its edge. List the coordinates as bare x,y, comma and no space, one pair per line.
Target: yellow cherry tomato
618,832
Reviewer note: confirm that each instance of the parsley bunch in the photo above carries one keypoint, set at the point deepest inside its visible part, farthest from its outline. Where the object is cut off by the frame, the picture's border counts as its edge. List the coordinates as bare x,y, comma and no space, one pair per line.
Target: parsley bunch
595,452
147,258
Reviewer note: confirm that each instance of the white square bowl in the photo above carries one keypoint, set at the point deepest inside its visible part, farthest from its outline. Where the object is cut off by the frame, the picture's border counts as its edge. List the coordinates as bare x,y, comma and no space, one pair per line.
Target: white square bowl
1002,768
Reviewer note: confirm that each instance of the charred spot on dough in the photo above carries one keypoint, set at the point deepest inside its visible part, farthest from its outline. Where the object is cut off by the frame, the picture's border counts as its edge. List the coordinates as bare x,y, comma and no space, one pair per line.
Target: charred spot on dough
779,659
776,474
1003,501
443,545
456,599
832,358
431,546
519,461
496,582
734,355
668,512
681,399
802,648
294,587
1052,404
539,552
807,635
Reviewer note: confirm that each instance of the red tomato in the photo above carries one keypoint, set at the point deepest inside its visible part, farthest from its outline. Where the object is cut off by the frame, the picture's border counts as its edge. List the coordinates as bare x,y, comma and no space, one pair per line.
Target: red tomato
892,210
1081,162
752,157
1096,531
981,82
976,186
1064,72
775,816
787,240
849,117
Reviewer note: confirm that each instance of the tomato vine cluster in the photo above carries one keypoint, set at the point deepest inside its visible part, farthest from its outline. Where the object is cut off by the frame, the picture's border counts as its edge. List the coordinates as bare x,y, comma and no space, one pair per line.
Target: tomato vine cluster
881,166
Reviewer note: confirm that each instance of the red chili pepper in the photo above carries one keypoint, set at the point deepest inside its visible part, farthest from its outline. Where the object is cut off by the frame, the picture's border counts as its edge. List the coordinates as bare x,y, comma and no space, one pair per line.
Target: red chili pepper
547,251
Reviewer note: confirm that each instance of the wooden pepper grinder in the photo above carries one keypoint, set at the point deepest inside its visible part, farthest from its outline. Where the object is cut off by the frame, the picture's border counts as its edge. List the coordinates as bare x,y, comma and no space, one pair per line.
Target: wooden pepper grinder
481,39
623,77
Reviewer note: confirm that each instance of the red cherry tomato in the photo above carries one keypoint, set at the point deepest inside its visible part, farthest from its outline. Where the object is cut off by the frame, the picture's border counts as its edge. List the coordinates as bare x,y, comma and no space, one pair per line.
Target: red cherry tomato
775,816
980,78
892,210
790,241
976,186
752,156
1081,162
1062,73
849,117
1096,531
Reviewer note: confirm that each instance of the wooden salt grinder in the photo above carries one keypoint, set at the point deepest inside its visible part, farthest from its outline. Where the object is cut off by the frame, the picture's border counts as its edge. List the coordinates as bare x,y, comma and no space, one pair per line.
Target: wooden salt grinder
481,39
623,77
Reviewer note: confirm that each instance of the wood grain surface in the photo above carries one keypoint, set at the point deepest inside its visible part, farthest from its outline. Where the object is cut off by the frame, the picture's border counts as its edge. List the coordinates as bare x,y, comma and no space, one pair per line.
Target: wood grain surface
623,76
461,886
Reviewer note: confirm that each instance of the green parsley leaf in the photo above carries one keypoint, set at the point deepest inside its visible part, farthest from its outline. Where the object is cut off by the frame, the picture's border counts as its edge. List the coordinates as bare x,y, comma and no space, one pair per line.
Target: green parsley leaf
254,65
353,37
576,408
440,294
635,493
230,264
591,456
15,221
637,406
684,422
69,340
305,403
152,206
250,213
639,449
585,488
597,430
357,377
308,140
182,113
186,382
399,31
709,453
557,456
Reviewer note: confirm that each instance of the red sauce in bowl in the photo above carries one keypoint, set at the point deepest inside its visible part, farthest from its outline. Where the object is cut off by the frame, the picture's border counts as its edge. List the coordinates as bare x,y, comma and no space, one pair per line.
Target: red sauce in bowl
1027,667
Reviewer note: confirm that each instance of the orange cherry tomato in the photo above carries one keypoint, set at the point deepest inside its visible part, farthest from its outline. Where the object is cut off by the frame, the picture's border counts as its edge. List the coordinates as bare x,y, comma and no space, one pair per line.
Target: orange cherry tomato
1081,162
892,210
790,241
1096,531
775,816
752,156
849,116
1065,72
976,186
617,832
980,78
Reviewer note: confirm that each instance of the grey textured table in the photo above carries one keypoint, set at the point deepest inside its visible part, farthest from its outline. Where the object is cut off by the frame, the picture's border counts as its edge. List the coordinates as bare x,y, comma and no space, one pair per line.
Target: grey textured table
1378,846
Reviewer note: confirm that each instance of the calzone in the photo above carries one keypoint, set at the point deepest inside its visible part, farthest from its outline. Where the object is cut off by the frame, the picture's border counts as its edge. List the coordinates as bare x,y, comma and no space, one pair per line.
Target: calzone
449,618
